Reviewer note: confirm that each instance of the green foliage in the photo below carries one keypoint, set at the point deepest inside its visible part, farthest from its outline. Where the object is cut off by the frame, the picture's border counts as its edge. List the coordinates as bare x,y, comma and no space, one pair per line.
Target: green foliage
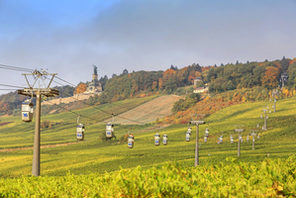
248,75
292,75
270,178
93,100
189,101
130,84
231,76
125,86
200,84
9,102
103,81
65,91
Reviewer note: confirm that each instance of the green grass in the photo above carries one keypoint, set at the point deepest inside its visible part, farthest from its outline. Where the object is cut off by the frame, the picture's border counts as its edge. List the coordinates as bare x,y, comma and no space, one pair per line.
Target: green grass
95,156
20,134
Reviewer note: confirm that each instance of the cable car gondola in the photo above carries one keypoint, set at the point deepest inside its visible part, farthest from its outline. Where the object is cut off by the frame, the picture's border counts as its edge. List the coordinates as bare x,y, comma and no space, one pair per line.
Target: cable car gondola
80,132
156,139
220,139
231,139
165,139
109,131
27,110
240,138
188,134
207,132
130,141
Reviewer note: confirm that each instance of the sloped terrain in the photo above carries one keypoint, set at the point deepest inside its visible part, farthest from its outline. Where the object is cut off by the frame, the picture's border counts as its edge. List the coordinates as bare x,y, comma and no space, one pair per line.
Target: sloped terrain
148,112
96,156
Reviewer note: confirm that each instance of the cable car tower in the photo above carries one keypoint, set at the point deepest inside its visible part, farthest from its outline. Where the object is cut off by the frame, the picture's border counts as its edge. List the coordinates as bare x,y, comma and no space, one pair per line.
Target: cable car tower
46,79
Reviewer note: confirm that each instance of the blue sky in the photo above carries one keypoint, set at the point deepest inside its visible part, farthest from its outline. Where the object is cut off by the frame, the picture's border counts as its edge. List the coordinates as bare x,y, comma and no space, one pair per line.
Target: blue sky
68,36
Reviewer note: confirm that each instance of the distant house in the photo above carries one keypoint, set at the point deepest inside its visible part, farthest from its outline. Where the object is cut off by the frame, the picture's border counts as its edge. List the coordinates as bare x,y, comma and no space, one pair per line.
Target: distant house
201,90
196,81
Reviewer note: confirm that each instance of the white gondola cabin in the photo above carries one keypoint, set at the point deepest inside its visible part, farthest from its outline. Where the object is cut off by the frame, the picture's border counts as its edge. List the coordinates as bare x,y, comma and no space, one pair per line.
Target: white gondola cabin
80,132
27,110
231,139
207,132
220,140
240,138
109,130
130,141
187,136
165,139
156,139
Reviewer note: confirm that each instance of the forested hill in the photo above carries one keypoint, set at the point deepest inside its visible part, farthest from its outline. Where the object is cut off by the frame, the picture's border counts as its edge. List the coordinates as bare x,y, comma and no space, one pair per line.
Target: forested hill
221,78
130,84
266,74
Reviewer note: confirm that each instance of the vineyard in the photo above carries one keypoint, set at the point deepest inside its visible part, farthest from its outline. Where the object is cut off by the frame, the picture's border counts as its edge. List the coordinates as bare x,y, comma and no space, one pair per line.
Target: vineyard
269,178
71,168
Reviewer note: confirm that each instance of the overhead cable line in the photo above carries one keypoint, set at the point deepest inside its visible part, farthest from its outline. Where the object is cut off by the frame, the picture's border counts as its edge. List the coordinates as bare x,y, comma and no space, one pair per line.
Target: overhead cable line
77,114
15,68
9,89
99,108
65,81
11,86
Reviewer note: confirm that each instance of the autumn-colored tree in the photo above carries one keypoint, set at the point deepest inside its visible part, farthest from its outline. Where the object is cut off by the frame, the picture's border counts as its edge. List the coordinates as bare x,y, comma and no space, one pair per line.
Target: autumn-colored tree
292,61
270,79
154,85
168,74
160,83
81,87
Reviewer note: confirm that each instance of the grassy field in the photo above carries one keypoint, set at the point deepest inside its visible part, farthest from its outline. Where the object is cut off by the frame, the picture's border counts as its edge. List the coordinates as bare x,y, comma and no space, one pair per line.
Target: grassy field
20,134
96,156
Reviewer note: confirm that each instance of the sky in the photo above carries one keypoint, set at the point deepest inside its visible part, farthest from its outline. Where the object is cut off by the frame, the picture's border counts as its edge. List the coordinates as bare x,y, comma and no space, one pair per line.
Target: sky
69,36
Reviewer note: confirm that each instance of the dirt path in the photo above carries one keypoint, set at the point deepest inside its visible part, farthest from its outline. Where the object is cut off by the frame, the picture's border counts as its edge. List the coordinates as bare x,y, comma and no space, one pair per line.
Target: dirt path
30,148
148,112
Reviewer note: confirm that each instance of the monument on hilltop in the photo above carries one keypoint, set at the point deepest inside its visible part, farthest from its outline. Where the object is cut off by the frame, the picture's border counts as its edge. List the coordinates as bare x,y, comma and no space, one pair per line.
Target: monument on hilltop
94,86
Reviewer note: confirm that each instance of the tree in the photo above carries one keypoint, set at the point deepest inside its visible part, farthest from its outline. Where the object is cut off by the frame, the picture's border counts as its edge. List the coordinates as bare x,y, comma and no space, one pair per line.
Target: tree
103,81
285,64
292,75
81,87
174,67
186,103
270,79
124,72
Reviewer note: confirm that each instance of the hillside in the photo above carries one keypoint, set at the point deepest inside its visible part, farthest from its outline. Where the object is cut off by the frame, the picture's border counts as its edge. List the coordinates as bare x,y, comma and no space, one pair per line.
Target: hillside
60,128
96,156
223,78
148,112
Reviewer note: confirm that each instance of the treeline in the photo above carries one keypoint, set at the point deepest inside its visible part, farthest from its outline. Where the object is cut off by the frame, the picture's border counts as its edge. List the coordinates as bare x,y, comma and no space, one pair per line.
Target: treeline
265,74
221,78
10,103
130,84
